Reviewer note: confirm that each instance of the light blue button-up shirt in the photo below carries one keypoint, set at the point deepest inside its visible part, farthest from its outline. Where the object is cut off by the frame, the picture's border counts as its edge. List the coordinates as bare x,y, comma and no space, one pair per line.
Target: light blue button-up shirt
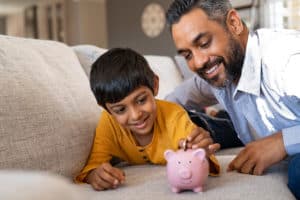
267,98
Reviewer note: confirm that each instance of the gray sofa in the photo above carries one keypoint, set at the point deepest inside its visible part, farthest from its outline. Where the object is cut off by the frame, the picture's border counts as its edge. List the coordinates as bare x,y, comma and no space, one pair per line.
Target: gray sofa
47,120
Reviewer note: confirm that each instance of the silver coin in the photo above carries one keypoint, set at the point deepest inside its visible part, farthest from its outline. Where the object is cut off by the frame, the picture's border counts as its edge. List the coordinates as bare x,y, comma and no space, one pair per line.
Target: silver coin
185,144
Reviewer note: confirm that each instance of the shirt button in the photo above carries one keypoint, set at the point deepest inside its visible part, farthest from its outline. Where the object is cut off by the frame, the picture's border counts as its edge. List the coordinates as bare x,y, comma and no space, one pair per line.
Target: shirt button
149,162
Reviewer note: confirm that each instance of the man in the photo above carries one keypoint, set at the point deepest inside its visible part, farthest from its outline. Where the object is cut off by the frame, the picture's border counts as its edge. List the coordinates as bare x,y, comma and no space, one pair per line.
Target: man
254,76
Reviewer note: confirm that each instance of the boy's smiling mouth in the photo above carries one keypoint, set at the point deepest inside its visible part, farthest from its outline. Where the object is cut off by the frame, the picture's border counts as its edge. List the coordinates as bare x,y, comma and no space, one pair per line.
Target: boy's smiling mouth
141,123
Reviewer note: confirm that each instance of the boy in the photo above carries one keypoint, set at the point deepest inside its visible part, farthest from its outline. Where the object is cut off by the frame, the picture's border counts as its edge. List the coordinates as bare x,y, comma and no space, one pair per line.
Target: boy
134,126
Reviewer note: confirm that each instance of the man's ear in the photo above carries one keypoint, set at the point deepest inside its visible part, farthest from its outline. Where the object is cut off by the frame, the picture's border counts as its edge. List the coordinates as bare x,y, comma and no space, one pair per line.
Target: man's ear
156,85
234,22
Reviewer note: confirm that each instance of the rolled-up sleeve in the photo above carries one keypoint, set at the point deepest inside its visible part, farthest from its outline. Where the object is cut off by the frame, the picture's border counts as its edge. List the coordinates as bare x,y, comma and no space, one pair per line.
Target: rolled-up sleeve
193,94
291,139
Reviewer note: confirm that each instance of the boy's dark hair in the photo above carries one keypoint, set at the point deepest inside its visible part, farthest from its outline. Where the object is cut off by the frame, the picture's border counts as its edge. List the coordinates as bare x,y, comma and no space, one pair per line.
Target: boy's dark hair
117,72
215,9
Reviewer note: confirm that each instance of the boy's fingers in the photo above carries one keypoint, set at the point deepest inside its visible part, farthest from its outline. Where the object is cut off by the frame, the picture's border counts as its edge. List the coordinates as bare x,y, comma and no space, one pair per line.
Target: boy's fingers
116,177
204,143
119,174
213,148
100,184
195,132
182,143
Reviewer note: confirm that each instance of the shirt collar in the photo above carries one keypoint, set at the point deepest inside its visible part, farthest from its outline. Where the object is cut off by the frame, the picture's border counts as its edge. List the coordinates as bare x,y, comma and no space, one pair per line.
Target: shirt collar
251,72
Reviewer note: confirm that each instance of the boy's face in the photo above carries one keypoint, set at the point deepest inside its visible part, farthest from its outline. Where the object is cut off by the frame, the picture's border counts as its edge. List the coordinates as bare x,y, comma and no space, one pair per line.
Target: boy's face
137,112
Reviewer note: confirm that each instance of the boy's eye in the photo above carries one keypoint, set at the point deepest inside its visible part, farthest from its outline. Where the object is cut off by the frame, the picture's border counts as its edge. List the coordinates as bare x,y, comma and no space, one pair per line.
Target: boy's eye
120,110
141,100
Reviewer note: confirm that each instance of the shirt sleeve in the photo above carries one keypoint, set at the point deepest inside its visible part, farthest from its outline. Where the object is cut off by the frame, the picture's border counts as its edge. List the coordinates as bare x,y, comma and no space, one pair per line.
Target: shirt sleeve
291,82
102,147
291,139
193,94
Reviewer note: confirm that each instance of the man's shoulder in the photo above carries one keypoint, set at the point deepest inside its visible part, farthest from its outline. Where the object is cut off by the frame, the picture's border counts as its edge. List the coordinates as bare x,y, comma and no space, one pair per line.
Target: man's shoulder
277,46
280,38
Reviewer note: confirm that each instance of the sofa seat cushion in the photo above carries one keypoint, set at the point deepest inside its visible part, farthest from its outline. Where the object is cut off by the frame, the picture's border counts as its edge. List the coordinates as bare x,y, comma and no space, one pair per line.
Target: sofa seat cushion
47,112
149,182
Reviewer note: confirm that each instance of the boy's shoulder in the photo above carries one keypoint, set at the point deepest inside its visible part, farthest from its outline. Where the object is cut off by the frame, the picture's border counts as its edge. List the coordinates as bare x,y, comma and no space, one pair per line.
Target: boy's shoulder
168,107
167,104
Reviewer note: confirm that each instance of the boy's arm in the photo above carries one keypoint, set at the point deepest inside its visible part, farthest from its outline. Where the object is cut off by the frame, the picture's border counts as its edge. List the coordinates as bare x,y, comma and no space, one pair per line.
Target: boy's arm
197,137
101,150
105,177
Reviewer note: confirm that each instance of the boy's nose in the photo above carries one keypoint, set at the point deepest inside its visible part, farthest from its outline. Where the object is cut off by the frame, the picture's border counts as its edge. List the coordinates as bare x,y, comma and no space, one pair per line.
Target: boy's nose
136,114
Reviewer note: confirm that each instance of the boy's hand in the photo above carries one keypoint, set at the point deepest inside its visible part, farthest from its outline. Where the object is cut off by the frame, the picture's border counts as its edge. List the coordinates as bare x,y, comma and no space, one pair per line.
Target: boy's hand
105,177
200,138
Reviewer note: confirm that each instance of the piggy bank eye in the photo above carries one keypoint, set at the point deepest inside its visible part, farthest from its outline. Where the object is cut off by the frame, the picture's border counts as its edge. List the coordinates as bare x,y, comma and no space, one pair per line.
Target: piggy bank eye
190,161
178,162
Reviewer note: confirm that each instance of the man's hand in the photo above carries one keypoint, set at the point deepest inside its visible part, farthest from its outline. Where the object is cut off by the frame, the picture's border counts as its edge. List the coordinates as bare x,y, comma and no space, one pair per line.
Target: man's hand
259,155
105,177
200,138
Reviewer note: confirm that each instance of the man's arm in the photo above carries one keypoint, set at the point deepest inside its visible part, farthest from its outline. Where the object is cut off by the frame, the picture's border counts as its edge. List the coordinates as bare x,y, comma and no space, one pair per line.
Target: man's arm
193,94
259,155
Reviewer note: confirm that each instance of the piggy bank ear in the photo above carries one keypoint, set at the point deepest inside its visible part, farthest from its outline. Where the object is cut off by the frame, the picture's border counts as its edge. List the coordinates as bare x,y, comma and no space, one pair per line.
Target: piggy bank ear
168,154
200,153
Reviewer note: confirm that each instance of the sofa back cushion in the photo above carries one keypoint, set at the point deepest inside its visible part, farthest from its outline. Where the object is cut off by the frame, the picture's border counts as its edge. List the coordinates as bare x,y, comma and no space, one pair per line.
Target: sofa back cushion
47,112
163,66
169,75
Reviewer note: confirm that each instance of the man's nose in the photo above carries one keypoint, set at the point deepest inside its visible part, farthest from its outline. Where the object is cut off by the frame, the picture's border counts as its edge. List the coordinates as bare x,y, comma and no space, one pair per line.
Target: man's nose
200,59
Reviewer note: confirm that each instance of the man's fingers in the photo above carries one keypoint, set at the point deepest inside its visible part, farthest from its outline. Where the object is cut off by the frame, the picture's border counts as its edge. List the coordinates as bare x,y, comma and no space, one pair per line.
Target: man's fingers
247,167
237,162
259,169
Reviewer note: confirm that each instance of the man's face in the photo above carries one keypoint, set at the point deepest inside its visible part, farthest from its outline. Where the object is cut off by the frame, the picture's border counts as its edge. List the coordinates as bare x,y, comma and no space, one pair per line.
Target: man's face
210,50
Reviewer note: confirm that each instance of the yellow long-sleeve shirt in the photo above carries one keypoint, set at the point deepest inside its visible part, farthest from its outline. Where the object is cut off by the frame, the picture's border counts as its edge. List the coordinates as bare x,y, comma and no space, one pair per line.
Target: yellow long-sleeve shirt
172,123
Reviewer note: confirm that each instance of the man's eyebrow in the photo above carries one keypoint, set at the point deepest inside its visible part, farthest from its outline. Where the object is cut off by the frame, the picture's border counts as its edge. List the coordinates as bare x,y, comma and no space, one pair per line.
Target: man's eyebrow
195,40
198,37
181,51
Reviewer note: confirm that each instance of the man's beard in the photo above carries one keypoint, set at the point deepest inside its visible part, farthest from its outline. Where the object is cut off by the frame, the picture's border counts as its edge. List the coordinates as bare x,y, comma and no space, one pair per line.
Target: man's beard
233,68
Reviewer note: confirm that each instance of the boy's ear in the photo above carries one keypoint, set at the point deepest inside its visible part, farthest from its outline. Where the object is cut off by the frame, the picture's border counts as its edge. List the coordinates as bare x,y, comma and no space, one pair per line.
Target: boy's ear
156,85
234,22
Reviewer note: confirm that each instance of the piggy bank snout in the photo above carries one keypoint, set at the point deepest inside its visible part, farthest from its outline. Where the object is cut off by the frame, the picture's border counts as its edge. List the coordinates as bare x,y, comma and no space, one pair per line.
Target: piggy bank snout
185,173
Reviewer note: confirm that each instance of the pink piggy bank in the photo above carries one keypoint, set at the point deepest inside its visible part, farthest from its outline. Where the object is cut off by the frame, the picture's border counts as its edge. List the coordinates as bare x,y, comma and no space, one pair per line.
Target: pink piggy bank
187,170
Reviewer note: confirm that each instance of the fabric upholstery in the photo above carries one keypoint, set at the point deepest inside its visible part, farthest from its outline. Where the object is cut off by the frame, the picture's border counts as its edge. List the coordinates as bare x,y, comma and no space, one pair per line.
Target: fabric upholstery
47,112
162,65
47,120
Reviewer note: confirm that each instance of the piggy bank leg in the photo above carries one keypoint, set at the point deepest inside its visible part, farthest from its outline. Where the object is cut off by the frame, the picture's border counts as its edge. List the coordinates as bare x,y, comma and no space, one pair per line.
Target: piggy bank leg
198,189
174,189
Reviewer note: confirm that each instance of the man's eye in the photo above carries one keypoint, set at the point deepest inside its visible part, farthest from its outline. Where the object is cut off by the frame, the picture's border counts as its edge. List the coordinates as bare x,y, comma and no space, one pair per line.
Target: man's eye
187,56
205,43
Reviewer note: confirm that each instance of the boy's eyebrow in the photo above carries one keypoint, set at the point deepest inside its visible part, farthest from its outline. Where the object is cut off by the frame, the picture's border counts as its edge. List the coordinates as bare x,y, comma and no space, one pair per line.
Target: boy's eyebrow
194,41
117,104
